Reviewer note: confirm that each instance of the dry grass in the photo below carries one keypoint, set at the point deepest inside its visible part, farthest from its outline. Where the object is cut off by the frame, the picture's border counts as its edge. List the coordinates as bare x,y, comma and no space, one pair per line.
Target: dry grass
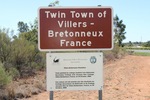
11,91
40,85
24,88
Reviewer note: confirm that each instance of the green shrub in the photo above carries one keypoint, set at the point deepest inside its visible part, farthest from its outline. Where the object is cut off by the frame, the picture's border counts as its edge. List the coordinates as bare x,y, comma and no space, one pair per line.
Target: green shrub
139,48
141,53
5,78
14,73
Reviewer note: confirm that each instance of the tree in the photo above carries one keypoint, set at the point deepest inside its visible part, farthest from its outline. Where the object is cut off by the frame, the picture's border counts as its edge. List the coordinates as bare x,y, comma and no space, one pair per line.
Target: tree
119,29
147,44
32,34
5,45
22,27
130,44
54,3
22,54
25,54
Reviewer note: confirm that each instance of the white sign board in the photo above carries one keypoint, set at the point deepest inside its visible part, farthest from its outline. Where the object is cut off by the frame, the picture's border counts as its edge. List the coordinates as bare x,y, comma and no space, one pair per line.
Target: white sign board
74,71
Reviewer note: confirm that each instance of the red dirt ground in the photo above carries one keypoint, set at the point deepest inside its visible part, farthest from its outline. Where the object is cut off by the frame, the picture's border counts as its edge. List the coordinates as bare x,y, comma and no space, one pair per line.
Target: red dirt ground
124,79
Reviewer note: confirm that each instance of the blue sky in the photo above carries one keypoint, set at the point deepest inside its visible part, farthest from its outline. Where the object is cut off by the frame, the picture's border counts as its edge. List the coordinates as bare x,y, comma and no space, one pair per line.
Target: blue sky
134,13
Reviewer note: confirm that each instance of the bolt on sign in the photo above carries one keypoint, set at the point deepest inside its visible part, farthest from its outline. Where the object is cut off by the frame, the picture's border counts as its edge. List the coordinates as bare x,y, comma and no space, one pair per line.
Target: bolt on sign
75,28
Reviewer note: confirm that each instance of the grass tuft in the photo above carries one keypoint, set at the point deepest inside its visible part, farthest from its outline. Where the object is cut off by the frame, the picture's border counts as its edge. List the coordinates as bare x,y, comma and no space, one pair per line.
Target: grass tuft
141,53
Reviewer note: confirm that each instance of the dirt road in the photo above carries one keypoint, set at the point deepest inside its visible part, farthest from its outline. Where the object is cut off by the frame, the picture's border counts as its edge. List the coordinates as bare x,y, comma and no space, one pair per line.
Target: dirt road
125,79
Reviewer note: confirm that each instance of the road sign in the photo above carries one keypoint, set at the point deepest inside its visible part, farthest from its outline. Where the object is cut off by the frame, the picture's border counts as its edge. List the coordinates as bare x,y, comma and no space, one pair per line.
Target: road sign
69,71
75,28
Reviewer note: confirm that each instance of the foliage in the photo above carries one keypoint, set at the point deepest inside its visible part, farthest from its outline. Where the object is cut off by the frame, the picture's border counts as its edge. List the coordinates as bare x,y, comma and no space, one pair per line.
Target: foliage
14,73
5,45
32,33
116,53
141,53
4,77
134,44
20,53
130,44
119,29
22,27
31,36
54,3
139,48
147,44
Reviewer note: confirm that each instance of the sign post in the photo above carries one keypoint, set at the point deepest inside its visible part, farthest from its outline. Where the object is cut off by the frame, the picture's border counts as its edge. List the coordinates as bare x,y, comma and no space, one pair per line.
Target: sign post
51,95
75,29
100,94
